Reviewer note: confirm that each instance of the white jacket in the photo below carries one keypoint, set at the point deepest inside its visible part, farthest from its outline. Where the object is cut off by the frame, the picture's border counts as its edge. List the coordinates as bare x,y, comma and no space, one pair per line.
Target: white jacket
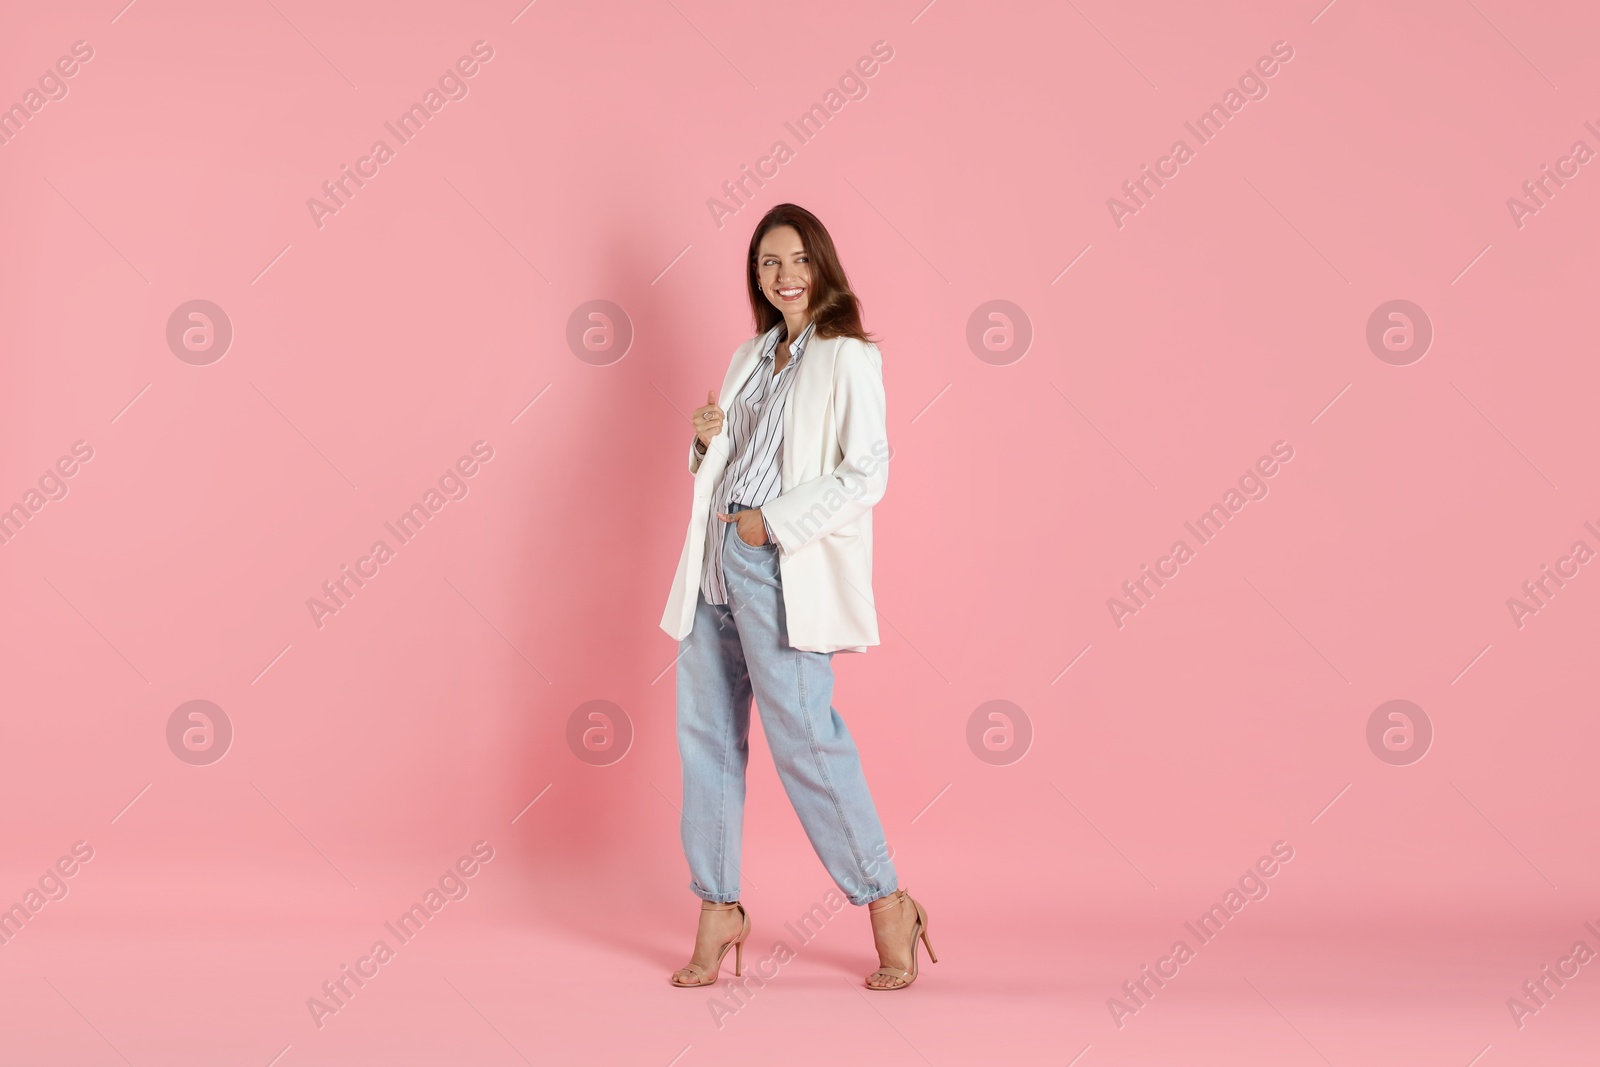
835,467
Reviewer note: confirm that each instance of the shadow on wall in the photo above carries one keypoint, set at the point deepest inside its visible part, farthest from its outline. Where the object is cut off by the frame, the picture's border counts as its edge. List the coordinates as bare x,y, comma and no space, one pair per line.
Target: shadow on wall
586,526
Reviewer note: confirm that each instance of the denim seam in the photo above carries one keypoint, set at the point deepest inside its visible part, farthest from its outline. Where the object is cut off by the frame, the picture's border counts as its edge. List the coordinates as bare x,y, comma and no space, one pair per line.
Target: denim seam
722,806
822,770
721,828
738,683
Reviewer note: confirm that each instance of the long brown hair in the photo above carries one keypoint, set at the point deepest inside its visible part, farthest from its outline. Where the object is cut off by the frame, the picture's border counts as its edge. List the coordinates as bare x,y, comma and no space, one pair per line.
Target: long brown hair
833,305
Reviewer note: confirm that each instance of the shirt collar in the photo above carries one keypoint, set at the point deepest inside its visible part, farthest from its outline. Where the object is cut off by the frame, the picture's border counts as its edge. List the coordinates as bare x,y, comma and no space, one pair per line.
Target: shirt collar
797,347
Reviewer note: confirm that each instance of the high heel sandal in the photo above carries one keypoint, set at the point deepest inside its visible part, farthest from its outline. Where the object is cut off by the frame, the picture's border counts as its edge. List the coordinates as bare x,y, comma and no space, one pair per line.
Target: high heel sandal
699,975
899,975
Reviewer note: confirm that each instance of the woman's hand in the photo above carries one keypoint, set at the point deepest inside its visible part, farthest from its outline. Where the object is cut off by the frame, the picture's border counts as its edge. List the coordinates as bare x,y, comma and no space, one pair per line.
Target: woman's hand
749,520
708,419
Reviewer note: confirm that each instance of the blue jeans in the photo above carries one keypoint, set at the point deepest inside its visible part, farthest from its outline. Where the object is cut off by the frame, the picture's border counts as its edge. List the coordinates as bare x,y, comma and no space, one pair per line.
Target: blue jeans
739,650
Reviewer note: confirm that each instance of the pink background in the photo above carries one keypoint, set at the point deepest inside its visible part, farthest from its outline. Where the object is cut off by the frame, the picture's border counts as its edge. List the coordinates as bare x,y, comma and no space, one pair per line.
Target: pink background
431,311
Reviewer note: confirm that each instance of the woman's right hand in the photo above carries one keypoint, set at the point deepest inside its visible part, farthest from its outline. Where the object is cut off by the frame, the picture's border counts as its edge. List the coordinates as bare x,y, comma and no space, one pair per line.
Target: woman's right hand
708,419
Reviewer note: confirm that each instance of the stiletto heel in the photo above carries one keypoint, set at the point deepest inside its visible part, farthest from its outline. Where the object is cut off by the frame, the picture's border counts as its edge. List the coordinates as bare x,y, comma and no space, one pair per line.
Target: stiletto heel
698,975
919,931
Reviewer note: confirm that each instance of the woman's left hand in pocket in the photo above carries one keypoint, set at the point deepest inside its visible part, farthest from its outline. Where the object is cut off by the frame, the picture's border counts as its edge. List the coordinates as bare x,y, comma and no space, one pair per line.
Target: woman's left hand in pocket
750,525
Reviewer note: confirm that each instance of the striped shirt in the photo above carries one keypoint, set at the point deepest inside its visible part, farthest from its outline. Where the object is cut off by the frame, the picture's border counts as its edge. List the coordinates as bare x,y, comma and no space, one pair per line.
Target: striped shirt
754,473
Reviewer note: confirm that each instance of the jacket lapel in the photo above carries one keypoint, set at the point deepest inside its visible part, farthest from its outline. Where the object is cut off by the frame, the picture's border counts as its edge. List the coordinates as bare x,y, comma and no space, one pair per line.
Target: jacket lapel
807,405
808,402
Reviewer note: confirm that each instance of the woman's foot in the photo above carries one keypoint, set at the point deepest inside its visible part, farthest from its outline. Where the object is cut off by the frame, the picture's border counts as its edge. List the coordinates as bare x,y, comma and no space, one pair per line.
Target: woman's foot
721,926
897,922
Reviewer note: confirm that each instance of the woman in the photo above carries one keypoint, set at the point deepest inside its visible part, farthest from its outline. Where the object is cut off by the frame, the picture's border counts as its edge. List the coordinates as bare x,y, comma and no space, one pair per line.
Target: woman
776,576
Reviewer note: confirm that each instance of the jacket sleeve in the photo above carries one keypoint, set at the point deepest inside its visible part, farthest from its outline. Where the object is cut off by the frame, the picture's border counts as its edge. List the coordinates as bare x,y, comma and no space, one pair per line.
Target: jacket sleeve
695,456
814,509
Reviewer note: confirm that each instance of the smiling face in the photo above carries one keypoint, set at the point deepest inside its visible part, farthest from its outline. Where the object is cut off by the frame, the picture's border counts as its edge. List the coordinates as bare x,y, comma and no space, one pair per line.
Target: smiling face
783,270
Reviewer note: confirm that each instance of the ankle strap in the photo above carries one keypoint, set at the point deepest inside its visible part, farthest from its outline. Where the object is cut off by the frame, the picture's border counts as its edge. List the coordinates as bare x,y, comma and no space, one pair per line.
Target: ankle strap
889,900
709,905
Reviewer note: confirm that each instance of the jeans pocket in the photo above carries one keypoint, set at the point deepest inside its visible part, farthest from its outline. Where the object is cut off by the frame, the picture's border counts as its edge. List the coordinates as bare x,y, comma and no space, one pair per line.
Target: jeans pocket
733,531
